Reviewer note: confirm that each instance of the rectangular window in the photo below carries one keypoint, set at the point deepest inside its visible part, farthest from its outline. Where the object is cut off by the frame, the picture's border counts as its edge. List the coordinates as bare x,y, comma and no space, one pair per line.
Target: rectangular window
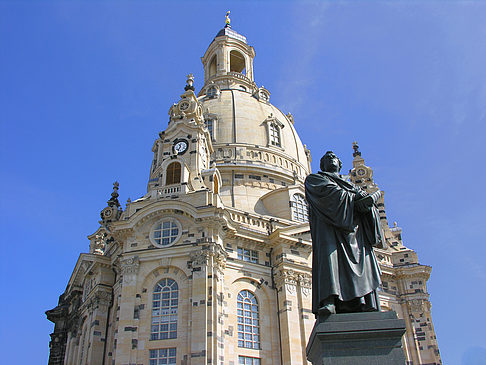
210,125
248,255
274,131
246,360
163,356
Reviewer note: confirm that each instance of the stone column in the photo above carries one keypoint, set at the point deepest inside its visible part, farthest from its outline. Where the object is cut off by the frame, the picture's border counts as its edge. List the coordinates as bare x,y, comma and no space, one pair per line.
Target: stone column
207,343
199,320
127,325
217,263
306,317
100,304
286,280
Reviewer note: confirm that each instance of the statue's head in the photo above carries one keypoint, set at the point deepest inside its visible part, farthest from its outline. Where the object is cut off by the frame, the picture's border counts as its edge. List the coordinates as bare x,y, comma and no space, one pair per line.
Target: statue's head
330,162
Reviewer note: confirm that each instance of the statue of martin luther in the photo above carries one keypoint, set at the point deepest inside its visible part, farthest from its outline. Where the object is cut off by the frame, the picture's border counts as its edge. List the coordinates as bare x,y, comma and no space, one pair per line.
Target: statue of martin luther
345,226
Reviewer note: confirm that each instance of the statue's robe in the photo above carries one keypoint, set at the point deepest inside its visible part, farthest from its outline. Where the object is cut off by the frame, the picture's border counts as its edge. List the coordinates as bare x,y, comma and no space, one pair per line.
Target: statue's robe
343,262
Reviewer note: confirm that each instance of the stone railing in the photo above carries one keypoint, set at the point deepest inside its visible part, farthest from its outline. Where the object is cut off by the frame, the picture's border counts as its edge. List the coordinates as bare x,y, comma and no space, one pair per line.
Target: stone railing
253,222
168,190
239,76
259,155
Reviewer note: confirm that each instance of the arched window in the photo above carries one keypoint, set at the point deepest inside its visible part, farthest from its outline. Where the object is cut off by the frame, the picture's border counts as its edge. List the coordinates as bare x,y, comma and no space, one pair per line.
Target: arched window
237,62
212,92
173,173
212,66
165,301
299,208
216,185
274,132
248,320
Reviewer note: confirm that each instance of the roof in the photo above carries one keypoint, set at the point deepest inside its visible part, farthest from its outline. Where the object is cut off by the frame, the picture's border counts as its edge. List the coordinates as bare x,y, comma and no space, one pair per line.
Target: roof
227,31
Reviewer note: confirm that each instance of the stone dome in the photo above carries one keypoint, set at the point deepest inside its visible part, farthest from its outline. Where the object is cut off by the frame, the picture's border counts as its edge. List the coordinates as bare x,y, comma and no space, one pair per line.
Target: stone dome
261,133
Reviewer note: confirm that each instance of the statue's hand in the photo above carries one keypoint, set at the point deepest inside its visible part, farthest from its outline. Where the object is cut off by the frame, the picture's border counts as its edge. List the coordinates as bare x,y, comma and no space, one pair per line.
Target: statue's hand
361,194
364,204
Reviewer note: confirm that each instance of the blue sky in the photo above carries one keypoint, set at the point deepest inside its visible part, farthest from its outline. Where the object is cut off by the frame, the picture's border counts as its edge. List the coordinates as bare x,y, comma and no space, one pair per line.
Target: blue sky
86,87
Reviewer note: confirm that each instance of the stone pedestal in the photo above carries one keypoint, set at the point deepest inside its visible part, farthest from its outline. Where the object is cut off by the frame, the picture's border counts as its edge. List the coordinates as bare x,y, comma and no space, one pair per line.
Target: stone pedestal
371,338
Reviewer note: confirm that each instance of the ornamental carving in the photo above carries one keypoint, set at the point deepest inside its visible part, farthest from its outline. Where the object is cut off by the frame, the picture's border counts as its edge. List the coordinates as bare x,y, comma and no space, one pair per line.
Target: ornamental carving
416,305
129,269
99,243
102,298
288,278
130,265
305,282
210,254
98,299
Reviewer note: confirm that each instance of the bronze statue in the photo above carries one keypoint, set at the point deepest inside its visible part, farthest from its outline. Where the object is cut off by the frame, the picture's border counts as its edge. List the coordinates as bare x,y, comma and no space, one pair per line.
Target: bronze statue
345,225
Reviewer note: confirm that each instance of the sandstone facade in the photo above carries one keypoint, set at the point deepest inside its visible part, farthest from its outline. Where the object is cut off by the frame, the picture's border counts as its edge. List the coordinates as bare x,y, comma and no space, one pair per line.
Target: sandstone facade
213,264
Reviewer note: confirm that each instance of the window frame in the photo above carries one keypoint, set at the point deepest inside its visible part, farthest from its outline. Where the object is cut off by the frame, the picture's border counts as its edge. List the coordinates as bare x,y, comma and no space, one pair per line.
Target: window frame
158,357
246,319
253,362
161,223
170,308
274,129
247,255
172,163
214,119
210,122
299,207
274,134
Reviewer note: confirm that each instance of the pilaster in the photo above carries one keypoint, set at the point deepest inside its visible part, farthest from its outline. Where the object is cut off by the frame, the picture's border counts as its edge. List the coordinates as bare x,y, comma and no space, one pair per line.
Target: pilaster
289,304
98,305
127,325
207,346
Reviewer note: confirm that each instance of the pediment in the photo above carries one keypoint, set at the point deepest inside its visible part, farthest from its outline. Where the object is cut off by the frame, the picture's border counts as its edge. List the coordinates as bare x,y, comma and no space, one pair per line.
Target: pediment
86,262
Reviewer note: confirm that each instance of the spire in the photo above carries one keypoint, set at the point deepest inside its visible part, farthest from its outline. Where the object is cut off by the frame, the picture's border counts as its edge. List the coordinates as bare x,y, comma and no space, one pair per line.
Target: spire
113,211
356,149
114,196
358,160
227,20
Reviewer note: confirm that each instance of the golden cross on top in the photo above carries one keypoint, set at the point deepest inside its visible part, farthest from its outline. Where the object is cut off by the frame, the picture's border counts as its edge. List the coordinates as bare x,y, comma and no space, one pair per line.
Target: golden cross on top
227,19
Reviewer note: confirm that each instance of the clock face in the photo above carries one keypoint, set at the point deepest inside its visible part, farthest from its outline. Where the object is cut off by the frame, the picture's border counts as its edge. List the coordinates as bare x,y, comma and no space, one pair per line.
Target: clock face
183,106
180,147
361,172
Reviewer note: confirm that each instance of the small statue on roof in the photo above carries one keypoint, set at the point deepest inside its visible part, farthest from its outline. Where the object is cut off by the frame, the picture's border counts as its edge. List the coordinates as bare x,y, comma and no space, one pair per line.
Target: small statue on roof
114,196
190,82
227,20
356,149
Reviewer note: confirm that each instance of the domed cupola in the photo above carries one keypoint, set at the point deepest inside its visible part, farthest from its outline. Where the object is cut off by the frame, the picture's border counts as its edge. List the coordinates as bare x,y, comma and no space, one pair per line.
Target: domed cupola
229,60
256,147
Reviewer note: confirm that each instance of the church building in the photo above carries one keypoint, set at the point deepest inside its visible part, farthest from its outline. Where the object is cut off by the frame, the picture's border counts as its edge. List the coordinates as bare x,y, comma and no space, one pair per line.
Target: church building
213,264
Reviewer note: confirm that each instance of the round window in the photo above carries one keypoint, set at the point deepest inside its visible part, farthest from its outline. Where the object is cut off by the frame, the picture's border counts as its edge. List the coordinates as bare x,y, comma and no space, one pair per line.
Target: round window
165,232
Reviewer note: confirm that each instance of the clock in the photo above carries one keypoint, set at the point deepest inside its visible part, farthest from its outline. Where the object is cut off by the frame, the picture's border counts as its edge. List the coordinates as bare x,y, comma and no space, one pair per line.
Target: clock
361,172
180,146
184,105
